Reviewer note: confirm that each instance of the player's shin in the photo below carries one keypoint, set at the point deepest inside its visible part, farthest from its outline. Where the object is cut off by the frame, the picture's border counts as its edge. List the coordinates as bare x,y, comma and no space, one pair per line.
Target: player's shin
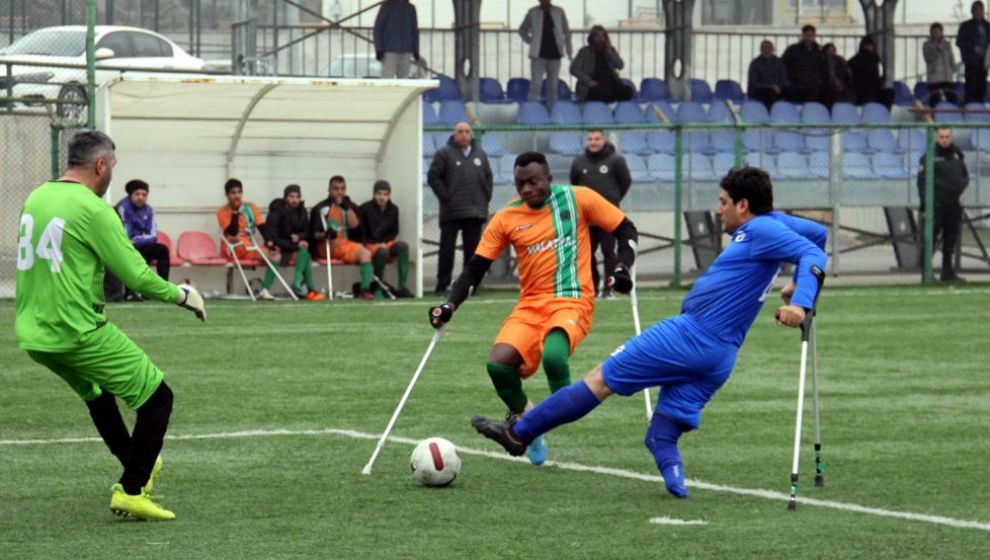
147,439
556,354
508,386
566,405
106,416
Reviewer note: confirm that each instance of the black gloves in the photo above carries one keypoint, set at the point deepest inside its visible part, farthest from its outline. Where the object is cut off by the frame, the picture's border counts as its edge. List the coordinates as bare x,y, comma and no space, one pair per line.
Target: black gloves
234,226
620,280
440,316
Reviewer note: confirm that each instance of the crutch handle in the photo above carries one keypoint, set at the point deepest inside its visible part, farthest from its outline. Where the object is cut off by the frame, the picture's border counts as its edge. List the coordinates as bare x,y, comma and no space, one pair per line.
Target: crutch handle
810,315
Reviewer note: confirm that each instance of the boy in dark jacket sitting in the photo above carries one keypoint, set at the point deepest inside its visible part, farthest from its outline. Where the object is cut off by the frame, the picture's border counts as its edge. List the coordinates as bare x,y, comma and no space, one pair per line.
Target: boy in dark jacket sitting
287,232
379,223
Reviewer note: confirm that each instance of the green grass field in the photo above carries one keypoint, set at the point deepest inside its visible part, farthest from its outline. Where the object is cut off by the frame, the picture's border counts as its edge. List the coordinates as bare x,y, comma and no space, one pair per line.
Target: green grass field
278,405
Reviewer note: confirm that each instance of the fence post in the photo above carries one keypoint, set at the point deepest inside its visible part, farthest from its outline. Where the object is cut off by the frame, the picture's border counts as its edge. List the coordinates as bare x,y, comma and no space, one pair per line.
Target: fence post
56,167
678,202
928,279
90,63
835,170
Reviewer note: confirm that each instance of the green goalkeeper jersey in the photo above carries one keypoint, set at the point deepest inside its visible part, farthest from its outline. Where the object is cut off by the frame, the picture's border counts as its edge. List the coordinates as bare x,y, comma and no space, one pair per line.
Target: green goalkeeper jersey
67,235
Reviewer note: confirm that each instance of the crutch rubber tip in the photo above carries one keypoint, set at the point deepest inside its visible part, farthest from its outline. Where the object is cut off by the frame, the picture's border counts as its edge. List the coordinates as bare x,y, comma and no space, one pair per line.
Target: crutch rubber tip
792,505
820,480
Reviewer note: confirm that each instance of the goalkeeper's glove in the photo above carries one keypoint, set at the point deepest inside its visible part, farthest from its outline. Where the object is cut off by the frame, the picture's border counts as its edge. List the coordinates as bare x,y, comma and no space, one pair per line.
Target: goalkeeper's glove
441,315
620,280
192,301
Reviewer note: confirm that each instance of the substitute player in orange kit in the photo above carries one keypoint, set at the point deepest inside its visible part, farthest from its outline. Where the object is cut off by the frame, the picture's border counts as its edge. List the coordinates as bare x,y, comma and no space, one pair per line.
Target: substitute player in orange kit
548,227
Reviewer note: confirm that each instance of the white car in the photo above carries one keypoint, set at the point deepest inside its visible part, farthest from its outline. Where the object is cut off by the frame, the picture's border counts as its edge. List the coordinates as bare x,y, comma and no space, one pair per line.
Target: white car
116,46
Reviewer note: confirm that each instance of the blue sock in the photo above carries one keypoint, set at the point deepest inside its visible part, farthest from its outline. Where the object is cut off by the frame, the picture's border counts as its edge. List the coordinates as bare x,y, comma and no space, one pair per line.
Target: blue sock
661,439
566,405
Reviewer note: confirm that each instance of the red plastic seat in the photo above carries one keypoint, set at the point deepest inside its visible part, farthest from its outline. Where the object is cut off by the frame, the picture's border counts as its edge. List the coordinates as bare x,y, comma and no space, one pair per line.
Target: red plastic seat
165,240
198,249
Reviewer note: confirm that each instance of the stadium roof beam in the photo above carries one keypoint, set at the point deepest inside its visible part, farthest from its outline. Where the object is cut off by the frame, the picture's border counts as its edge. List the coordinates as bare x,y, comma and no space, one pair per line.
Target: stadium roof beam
880,25
678,38
467,46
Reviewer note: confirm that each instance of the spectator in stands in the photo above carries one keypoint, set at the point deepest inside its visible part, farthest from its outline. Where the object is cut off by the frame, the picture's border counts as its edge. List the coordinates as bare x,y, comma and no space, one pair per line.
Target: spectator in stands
838,86
546,32
288,239
867,83
972,39
941,63
462,179
238,222
951,180
379,223
596,69
396,36
336,220
767,76
139,222
605,171
807,68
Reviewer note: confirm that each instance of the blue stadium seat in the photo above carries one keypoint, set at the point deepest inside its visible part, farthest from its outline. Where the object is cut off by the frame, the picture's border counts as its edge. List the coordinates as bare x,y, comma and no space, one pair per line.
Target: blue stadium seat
533,113
517,89
698,141
691,111
597,113
629,112
429,114
793,165
854,141
718,112
722,163
857,166
699,167
911,140
981,139
566,143
764,161
440,139
563,91
875,113
815,113
505,174
882,140
634,142
426,170
754,112
819,164
890,166
757,141
637,169
490,91
975,112
701,92
845,113
787,141
452,112
665,107
565,112
914,162
921,91
629,83
491,143
429,148
784,112
729,90
447,90
661,141
902,95
724,141
654,89
661,167
817,140
942,116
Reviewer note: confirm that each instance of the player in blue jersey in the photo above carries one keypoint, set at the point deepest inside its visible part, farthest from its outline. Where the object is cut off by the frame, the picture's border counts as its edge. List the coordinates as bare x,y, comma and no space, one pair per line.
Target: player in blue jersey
689,356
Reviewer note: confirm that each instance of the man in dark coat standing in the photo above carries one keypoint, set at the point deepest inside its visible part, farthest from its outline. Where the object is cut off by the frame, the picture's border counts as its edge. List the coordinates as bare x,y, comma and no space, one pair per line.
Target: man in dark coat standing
972,40
951,180
807,68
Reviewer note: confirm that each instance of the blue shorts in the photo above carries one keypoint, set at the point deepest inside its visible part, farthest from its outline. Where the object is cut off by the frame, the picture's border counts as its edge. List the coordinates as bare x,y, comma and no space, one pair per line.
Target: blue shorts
680,357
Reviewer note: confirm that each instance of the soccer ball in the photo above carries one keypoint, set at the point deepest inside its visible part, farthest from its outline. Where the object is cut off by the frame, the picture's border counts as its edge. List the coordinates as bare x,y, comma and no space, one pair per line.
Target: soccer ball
435,462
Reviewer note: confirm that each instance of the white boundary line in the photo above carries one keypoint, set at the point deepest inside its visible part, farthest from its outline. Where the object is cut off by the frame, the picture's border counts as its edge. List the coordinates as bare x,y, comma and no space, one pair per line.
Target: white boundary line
609,471
671,521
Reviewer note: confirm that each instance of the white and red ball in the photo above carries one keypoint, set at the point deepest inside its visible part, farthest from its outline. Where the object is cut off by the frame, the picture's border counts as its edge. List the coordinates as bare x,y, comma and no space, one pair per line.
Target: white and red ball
435,462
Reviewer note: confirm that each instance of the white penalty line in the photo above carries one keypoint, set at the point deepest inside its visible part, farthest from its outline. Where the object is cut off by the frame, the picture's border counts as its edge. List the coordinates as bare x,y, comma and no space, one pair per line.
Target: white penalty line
609,471
672,521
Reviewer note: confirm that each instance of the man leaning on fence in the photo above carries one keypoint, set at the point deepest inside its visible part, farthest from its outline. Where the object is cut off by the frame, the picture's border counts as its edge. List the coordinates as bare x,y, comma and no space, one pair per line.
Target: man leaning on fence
546,32
951,179
396,37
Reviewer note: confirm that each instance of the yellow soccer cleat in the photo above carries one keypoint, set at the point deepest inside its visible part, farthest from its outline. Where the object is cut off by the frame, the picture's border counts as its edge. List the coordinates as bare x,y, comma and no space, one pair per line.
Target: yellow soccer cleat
139,507
155,471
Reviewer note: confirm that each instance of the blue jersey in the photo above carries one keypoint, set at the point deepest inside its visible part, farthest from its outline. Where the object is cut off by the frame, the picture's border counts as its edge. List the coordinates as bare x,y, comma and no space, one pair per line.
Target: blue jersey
727,298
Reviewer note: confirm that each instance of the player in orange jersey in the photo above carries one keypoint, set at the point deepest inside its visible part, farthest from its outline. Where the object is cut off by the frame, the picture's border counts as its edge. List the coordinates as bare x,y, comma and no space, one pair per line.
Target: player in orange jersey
548,227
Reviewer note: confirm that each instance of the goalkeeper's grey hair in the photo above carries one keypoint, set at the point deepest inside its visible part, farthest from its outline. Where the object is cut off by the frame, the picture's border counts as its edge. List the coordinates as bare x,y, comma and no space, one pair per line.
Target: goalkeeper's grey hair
88,146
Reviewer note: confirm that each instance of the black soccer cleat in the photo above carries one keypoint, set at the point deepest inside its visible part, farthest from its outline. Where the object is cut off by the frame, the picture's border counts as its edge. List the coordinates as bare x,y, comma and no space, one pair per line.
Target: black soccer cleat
501,432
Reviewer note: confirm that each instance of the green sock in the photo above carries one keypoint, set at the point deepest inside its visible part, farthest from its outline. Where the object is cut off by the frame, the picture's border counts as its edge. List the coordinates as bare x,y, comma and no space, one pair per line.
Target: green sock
508,386
302,271
403,263
366,274
269,278
556,352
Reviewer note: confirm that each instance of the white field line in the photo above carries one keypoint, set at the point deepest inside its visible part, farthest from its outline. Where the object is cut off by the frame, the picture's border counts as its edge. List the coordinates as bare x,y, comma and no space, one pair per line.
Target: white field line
608,471
672,521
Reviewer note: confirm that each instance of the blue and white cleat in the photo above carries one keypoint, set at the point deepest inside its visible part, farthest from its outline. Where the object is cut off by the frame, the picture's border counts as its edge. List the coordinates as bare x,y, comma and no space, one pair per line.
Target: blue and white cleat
673,479
537,451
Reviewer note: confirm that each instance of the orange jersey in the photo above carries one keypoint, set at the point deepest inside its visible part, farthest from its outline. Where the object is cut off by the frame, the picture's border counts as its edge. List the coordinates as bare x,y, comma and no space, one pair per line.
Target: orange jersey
249,219
552,243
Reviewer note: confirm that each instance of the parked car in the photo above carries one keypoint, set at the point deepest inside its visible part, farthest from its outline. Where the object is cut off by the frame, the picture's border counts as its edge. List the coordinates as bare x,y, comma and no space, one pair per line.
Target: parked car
116,46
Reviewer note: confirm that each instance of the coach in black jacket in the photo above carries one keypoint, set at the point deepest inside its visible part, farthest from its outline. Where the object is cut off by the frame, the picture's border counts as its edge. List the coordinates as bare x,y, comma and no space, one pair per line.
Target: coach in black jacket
973,38
461,177
951,180
604,171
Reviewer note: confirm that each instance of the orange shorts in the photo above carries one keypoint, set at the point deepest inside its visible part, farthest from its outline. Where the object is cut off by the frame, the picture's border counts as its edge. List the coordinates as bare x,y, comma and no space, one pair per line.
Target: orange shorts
530,322
345,250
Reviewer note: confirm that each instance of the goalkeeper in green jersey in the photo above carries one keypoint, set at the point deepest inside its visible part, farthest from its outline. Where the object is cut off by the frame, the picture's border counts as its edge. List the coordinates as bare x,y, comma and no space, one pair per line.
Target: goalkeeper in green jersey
67,235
